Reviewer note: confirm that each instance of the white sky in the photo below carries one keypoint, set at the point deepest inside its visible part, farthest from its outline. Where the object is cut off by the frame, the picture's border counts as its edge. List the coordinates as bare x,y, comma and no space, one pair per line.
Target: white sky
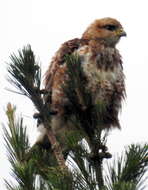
46,24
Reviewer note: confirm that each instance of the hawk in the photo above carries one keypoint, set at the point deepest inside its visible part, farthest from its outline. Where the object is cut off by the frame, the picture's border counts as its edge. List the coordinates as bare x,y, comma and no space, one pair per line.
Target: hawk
102,68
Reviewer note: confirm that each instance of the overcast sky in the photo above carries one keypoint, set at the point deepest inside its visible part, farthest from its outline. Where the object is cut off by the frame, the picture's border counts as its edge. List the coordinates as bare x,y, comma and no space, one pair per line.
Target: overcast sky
45,24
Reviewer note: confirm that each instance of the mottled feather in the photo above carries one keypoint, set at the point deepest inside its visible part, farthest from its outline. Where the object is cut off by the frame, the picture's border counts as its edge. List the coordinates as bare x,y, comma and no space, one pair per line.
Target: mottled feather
102,67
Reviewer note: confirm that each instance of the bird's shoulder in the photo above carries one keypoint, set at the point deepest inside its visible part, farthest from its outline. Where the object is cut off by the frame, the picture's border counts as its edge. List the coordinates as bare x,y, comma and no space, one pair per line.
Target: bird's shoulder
56,64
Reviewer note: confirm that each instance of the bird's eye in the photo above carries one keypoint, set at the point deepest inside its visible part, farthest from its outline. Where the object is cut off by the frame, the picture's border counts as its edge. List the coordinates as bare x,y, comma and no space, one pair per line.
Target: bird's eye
110,27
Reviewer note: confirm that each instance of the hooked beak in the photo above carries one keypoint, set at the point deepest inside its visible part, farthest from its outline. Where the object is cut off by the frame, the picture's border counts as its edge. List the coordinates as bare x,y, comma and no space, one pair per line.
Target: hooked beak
121,33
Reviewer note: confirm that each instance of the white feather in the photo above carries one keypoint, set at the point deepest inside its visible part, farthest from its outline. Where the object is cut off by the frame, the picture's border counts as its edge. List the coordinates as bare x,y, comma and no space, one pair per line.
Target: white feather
42,132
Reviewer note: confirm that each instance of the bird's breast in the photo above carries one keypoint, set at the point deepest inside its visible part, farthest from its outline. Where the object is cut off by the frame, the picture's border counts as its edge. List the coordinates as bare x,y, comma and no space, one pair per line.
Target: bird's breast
103,72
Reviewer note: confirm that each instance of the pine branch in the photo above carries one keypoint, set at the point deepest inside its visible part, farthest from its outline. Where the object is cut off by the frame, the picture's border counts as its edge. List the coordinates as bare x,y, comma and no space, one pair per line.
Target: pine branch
83,170
25,75
135,165
37,172
128,169
87,114
81,105
15,136
17,144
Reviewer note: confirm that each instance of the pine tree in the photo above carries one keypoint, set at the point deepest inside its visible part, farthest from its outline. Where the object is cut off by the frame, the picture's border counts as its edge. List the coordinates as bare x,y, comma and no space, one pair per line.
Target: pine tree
36,168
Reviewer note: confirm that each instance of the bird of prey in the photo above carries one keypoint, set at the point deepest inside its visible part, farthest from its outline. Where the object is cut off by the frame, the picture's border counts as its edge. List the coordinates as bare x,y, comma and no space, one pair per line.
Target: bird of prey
102,67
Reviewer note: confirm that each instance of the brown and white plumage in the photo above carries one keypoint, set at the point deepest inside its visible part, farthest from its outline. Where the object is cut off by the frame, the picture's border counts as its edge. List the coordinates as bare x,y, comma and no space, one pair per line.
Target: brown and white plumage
102,66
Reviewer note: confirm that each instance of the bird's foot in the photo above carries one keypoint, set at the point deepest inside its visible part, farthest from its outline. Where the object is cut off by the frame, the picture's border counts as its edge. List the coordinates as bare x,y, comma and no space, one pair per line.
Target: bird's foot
100,156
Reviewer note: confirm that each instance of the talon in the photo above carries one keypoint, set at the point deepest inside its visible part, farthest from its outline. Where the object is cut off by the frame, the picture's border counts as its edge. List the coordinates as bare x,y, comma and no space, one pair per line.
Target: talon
108,155
104,148
100,156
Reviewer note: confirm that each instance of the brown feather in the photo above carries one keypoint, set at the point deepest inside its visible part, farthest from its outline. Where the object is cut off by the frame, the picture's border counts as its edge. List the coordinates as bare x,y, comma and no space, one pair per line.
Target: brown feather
102,66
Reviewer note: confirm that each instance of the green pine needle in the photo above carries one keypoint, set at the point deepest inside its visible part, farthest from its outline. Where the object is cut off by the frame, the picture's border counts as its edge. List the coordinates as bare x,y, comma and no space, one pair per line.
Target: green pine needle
15,136
129,168
37,169
24,71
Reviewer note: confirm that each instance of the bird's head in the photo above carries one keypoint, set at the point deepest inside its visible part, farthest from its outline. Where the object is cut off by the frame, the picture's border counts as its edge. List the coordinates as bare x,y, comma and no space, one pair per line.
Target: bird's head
108,29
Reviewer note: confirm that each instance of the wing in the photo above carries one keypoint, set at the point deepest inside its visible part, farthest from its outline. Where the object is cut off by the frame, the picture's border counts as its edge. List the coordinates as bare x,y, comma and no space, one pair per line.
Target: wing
66,48
55,74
